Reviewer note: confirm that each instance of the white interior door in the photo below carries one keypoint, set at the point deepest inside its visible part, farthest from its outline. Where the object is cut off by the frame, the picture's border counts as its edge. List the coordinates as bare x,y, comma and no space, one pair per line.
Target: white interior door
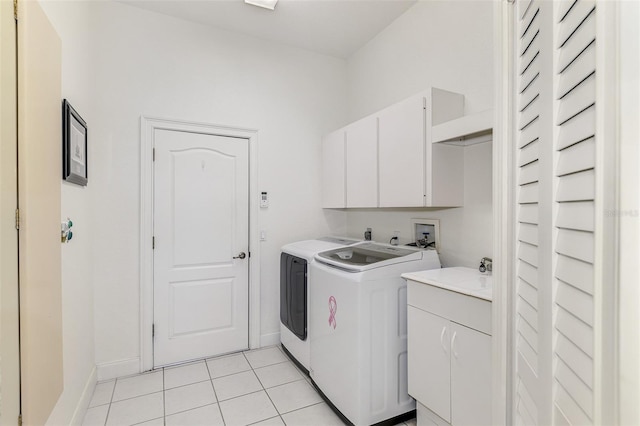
201,220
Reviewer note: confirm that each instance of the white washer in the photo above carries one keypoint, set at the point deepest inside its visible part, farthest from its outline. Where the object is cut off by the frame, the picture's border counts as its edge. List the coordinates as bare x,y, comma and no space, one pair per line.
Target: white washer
295,277
358,328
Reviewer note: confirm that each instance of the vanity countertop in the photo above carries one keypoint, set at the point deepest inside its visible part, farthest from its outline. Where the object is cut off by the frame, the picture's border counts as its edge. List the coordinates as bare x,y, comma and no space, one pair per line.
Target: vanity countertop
462,280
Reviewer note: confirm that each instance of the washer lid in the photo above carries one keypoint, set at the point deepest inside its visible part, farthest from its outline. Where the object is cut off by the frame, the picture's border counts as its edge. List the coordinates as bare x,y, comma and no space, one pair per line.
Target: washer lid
367,255
307,249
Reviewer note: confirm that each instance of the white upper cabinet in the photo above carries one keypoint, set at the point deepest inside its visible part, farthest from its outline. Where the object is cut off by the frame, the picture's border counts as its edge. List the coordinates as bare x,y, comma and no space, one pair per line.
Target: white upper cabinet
391,161
402,153
333,170
362,163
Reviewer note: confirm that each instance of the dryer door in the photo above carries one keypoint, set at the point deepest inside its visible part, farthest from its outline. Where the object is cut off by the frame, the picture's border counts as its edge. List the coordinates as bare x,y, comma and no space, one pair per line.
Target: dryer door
293,294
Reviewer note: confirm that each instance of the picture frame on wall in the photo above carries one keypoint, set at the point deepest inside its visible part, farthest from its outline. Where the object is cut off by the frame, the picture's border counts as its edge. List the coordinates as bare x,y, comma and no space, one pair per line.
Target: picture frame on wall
74,146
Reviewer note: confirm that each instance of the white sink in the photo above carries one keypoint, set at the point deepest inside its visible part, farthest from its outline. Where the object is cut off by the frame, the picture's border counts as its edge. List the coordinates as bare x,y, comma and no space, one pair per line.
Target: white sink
463,280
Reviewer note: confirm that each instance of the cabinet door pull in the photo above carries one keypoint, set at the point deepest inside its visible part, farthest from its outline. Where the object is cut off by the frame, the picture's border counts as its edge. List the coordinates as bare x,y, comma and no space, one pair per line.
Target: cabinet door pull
444,329
453,345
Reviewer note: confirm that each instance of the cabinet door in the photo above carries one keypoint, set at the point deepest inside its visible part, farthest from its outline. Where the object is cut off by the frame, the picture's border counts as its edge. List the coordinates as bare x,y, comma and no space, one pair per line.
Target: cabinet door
429,365
470,376
402,154
333,170
362,163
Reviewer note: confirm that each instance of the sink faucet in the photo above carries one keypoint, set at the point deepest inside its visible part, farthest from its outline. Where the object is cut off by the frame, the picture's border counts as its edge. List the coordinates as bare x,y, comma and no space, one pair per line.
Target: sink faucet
486,264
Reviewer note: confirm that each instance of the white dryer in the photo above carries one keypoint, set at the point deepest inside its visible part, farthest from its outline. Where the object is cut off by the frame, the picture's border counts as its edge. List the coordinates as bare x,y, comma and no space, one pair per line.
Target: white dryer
358,328
294,296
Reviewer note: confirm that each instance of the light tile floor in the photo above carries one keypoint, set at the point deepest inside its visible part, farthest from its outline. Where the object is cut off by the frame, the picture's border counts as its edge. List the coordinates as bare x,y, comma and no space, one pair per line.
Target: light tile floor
259,387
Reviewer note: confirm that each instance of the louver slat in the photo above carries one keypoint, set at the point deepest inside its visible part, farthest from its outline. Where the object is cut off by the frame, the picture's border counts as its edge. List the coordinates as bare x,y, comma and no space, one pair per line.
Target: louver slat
577,158
576,244
529,173
524,8
528,234
528,333
577,100
575,301
527,21
579,391
578,71
573,19
564,7
578,42
529,153
579,128
529,114
576,331
528,214
528,293
529,62
529,134
576,187
569,408
528,313
528,273
578,216
529,193
580,362
575,272
529,41
527,404
528,253
527,102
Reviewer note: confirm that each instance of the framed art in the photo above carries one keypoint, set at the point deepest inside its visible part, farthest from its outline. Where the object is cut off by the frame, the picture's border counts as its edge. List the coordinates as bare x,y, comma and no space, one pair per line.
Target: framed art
74,146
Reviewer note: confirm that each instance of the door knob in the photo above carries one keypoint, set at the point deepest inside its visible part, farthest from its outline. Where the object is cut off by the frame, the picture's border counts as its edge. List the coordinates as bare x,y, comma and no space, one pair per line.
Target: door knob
242,255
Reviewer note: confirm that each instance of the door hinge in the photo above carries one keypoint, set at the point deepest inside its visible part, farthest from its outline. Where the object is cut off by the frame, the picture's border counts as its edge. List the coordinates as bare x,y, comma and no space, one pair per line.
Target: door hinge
153,243
154,154
17,219
153,330
15,9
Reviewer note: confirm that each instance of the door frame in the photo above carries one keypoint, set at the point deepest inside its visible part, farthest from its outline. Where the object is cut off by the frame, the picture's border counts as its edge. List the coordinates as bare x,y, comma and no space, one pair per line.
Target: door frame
148,125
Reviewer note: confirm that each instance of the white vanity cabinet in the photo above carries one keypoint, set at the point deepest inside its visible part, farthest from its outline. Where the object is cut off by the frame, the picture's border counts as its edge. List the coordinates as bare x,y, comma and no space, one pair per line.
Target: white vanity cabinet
449,351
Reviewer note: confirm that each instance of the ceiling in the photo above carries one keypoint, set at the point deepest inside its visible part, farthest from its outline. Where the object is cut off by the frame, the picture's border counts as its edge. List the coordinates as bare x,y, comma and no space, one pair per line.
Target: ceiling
332,27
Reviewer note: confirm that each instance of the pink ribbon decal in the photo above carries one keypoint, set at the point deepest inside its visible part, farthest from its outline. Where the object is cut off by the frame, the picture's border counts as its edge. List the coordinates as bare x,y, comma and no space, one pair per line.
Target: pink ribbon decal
333,308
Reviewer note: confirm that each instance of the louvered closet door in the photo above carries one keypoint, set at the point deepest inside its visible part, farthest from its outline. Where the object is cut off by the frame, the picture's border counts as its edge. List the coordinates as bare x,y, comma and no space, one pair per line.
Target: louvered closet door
555,159
574,222
531,142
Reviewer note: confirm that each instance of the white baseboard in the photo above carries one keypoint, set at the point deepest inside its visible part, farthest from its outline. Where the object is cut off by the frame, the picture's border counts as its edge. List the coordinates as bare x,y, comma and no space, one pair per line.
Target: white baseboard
269,339
112,370
85,399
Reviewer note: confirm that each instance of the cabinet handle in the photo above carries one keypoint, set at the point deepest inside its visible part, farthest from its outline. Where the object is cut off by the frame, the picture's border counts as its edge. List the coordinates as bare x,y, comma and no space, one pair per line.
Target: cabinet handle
444,329
453,345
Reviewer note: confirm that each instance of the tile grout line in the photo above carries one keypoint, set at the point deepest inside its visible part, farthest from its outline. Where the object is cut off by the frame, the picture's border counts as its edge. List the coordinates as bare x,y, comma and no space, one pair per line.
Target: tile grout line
164,401
113,392
267,393
188,409
215,394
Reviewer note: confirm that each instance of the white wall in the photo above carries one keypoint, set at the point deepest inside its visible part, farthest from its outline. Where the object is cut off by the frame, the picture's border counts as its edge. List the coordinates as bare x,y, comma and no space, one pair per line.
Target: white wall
144,63
72,24
449,45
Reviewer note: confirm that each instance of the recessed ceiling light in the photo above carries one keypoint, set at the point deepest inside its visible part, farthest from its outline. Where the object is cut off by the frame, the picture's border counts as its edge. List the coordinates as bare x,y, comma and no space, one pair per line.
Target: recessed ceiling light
267,4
